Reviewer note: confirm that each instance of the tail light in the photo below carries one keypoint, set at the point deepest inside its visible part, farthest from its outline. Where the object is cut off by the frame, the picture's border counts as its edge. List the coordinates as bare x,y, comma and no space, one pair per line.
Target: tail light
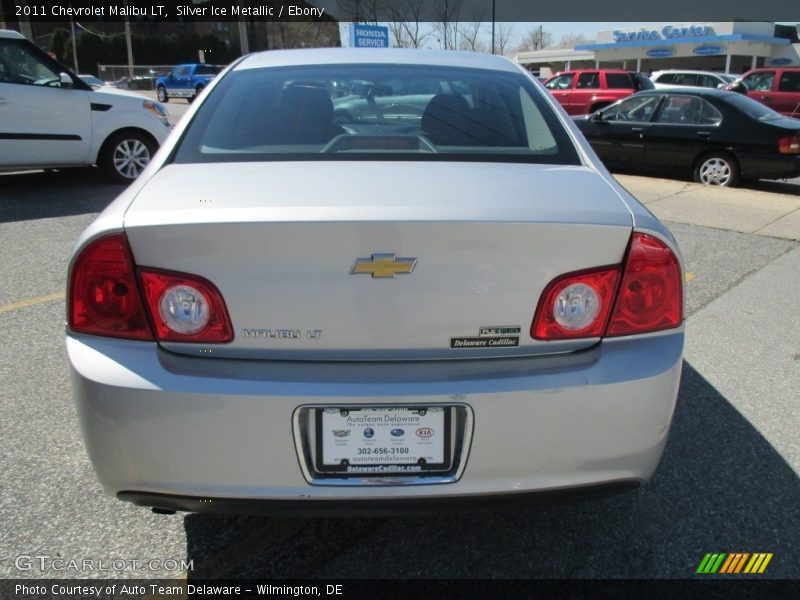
649,296
103,295
576,305
789,144
104,299
186,308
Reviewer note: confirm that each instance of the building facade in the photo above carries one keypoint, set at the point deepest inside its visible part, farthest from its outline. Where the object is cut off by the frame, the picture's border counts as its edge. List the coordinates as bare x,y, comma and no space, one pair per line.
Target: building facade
729,47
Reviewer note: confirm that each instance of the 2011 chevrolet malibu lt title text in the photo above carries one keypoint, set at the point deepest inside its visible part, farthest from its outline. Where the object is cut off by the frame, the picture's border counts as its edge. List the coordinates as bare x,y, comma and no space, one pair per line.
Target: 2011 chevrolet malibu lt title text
355,280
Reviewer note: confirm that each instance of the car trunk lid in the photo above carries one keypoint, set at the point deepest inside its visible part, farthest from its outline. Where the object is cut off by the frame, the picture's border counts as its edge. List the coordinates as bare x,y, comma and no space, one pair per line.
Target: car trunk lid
303,252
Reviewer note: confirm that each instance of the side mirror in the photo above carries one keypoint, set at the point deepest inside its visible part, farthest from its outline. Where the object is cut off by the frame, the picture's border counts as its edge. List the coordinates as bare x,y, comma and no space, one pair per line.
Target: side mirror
66,80
597,117
171,75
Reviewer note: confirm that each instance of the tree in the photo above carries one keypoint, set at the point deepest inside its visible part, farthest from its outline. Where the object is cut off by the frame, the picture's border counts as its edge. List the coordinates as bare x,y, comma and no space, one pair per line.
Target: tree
446,14
302,34
571,40
361,11
471,33
503,35
535,39
405,23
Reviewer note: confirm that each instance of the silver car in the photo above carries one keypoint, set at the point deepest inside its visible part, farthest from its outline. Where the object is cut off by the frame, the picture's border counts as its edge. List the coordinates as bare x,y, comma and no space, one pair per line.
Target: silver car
439,298
672,78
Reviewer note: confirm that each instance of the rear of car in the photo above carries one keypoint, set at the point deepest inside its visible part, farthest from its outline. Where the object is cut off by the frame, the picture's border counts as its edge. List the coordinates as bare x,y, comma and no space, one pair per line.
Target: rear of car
357,279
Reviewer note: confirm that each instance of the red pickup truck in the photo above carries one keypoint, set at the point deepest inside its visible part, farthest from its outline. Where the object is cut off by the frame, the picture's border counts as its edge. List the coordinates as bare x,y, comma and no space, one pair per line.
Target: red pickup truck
777,87
583,91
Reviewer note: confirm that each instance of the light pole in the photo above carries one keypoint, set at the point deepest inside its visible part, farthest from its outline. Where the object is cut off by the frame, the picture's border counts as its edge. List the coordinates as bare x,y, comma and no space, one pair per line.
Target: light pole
74,45
493,26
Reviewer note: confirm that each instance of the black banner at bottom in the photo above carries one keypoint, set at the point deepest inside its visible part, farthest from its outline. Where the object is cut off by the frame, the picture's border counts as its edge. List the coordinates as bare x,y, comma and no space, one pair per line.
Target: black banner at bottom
180,589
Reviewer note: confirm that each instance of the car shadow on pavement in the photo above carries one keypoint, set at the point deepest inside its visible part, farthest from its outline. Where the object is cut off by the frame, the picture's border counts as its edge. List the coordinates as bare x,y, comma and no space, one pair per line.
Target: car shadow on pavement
721,487
57,193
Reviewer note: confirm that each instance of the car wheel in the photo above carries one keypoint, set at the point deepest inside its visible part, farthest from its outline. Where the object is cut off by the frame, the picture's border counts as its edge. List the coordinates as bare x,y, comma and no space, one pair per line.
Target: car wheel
162,94
126,154
717,169
197,91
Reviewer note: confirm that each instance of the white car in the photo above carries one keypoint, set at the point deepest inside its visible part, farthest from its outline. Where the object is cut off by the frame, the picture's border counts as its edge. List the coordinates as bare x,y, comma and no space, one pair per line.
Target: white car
49,118
687,78
303,307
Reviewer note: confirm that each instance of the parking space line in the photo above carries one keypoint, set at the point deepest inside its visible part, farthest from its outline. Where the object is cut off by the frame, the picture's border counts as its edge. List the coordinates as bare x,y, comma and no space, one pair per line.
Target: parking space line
32,302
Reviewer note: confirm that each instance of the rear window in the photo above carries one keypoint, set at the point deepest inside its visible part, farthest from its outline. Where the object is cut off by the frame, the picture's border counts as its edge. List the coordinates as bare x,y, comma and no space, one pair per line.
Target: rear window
790,82
752,108
375,112
619,81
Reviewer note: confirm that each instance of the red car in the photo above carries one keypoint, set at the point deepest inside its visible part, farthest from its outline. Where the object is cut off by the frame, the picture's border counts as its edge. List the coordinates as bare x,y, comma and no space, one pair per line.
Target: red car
583,91
777,87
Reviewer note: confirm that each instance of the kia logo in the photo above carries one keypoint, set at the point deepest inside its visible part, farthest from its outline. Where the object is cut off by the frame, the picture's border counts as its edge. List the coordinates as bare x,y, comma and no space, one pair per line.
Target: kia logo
424,432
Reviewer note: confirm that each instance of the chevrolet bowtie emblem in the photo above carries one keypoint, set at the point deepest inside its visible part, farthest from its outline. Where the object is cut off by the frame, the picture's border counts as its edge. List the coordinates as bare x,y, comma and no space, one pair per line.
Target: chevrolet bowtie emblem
383,265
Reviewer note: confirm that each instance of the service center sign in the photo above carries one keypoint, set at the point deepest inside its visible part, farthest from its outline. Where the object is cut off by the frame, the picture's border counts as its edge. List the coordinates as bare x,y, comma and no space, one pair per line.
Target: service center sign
369,36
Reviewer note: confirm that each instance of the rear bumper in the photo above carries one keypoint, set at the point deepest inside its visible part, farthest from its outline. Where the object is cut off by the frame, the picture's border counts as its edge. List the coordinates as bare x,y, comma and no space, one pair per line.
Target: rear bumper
174,431
773,166
376,508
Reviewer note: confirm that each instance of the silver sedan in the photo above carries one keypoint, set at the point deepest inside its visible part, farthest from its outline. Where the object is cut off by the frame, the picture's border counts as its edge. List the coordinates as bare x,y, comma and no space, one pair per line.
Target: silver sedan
373,280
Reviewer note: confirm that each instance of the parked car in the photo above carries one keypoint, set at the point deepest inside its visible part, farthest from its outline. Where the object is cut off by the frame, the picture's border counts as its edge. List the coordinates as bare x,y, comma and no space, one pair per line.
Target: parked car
49,118
587,90
719,137
293,310
687,78
186,81
777,87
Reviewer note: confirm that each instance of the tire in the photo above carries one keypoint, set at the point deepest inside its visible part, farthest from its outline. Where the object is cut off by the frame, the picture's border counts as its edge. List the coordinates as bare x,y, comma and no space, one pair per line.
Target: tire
197,91
717,168
125,155
161,92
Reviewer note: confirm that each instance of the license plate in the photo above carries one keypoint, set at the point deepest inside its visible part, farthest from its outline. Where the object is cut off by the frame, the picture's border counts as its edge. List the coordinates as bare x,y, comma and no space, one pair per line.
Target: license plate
383,440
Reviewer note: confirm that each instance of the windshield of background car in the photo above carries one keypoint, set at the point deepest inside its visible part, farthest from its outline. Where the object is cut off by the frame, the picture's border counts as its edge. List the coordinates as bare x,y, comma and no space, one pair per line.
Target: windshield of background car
752,108
376,112
19,64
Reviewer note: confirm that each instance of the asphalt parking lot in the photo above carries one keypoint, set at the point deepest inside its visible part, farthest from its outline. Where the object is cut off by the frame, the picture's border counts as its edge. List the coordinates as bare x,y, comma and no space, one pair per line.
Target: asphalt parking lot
728,481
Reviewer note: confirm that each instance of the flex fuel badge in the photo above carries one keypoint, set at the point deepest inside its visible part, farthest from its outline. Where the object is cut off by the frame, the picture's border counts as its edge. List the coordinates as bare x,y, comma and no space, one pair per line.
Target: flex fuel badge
497,336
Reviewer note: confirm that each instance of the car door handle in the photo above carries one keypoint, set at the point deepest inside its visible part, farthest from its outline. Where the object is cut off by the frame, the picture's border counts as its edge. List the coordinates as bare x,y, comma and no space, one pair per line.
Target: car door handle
704,134
766,97
639,130
3,100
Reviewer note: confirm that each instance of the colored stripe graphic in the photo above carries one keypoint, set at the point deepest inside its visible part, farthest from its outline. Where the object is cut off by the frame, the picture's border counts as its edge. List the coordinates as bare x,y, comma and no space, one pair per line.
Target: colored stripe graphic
711,563
758,564
734,563
731,563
